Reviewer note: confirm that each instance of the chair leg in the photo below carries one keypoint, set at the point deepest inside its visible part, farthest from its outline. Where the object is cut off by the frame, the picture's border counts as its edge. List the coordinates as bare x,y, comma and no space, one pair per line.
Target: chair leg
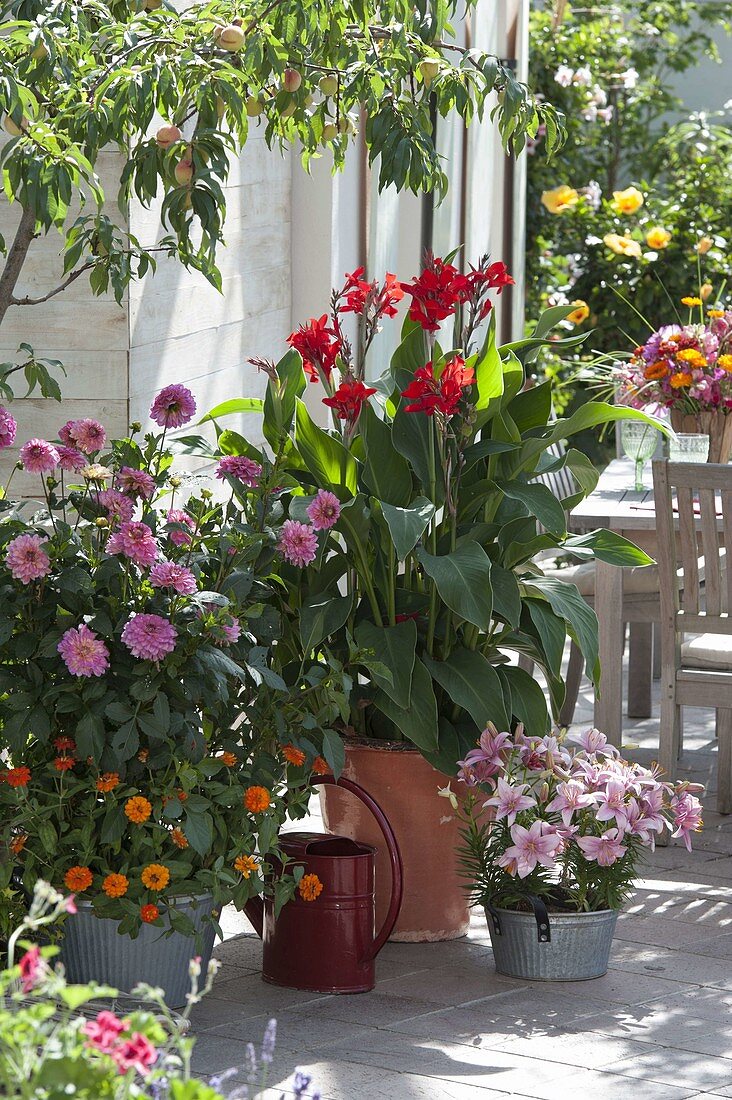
574,678
656,651
724,763
640,669
670,726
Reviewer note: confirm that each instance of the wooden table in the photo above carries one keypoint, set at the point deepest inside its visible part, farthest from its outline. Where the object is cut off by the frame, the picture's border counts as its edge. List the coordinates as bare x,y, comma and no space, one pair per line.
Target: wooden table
615,504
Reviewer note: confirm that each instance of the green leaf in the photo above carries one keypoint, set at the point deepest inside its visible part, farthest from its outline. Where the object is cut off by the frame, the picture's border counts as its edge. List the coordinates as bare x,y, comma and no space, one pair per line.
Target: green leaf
551,630
235,405
89,735
506,594
488,371
540,501
565,601
411,437
418,723
394,647
334,751
528,702
279,402
463,580
407,525
589,415
329,462
473,684
199,831
386,472
321,616
114,825
126,741
532,408
608,546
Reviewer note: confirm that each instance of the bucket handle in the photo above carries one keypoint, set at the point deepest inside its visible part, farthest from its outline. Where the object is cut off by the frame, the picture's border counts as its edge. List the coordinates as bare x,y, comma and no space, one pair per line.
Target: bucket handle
395,858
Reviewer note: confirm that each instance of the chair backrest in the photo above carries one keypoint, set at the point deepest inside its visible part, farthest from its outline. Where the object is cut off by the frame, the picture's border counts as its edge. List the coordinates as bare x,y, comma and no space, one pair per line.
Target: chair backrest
693,507
561,482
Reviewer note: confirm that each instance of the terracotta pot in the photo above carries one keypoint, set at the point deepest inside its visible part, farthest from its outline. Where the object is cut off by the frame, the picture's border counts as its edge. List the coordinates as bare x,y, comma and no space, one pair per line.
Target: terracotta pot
427,831
714,423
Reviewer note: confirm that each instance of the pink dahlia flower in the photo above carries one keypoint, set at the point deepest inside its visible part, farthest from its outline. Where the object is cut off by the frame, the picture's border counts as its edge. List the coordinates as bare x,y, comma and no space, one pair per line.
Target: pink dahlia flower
86,435
167,574
8,428
242,468
173,407
181,519
605,849
149,637
298,543
231,632
39,457
136,541
136,482
26,558
70,459
117,505
83,653
323,512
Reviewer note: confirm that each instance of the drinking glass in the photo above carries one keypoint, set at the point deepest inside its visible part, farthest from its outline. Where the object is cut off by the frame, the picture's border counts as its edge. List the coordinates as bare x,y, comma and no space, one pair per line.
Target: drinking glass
639,442
688,447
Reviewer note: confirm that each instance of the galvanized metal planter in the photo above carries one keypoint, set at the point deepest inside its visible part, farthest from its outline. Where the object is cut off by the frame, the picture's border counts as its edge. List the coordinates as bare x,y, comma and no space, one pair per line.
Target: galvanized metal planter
573,946
93,950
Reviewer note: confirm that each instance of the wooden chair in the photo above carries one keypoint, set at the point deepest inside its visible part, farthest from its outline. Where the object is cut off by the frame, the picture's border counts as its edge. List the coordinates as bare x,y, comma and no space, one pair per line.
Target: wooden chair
696,673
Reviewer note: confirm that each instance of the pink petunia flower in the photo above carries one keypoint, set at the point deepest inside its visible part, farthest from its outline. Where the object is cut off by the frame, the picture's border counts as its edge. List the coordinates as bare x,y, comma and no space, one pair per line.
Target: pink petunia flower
604,850
136,1053
149,637
136,541
298,543
39,457
70,459
570,796
32,969
83,653
8,428
137,483
538,845
27,559
510,800
181,519
173,407
242,468
324,511
167,574
118,506
687,811
104,1031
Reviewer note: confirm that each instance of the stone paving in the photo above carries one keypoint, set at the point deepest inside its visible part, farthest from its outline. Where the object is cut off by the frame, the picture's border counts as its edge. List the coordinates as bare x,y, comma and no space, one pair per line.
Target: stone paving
442,1024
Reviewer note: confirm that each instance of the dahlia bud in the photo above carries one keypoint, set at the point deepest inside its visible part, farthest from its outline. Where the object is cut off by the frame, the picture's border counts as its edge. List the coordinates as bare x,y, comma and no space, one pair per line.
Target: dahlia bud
135,426
206,494
175,482
102,522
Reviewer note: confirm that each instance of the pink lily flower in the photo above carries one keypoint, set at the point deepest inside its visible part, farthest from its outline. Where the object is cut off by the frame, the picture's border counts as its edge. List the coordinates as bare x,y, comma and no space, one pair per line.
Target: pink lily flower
570,796
611,803
605,849
510,800
538,845
687,811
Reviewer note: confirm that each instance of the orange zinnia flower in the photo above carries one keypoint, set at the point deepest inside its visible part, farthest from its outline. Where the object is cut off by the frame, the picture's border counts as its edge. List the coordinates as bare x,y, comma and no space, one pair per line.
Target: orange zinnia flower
155,876
18,777
115,886
64,744
78,879
320,766
310,887
182,795
656,370
179,838
245,865
680,380
107,782
63,763
138,809
18,843
229,758
149,913
715,313
257,799
293,756
692,356
725,362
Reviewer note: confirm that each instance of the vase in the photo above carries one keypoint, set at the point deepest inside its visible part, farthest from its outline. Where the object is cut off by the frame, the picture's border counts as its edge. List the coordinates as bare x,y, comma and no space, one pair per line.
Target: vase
92,950
578,948
426,827
713,423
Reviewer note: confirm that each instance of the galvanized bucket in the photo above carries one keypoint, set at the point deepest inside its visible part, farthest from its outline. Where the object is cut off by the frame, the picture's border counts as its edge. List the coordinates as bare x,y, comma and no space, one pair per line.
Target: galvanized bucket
92,950
572,947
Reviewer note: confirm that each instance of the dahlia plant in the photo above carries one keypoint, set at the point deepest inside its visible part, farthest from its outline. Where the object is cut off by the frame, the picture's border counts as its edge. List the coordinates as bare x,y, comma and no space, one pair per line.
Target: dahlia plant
144,749
412,523
567,824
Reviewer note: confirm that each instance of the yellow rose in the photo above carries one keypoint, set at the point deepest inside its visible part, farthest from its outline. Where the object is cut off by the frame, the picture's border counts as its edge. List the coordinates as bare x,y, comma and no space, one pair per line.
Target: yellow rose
704,244
658,237
580,313
627,201
624,246
560,199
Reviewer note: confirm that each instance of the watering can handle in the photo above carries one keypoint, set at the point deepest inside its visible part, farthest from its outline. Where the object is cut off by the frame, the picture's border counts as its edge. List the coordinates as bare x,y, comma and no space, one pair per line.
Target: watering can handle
397,880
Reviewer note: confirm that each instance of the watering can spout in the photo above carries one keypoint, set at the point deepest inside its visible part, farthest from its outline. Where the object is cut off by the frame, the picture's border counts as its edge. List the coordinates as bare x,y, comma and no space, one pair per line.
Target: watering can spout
254,910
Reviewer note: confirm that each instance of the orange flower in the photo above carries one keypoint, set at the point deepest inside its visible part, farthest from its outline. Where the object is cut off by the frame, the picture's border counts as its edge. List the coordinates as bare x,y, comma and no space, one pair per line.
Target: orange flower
293,756
320,766
310,887
725,362
715,313
115,886
107,782
691,300
655,370
257,799
64,744
182,795
78,879
138,809
245,865
680,380
155,876
63,763
229,758
18,777
179,838
692,356
17,844
149,914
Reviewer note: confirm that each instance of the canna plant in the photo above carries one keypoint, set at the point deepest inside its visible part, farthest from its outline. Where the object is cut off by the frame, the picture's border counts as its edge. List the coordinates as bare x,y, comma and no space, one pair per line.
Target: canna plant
414,521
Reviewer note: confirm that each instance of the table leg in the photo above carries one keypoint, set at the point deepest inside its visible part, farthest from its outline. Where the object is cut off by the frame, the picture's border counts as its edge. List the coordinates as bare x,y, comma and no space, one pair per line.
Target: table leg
609,609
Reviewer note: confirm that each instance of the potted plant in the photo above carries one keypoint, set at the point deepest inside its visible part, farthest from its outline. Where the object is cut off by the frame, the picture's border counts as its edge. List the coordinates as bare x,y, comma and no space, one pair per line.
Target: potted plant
560,852
133,654
408,547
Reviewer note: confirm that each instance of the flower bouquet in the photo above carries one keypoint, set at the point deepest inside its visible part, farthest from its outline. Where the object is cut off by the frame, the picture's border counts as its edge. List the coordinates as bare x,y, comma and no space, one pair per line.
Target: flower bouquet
562,833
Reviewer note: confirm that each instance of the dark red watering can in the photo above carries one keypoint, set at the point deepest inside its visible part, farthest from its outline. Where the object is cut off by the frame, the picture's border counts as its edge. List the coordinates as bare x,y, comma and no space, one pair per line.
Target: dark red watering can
329,945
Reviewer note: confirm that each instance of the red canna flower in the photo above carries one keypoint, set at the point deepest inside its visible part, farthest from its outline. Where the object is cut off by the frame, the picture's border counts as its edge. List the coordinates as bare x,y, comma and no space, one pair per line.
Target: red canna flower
361,295
482,279
348,399
318,345
429,394
435,293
